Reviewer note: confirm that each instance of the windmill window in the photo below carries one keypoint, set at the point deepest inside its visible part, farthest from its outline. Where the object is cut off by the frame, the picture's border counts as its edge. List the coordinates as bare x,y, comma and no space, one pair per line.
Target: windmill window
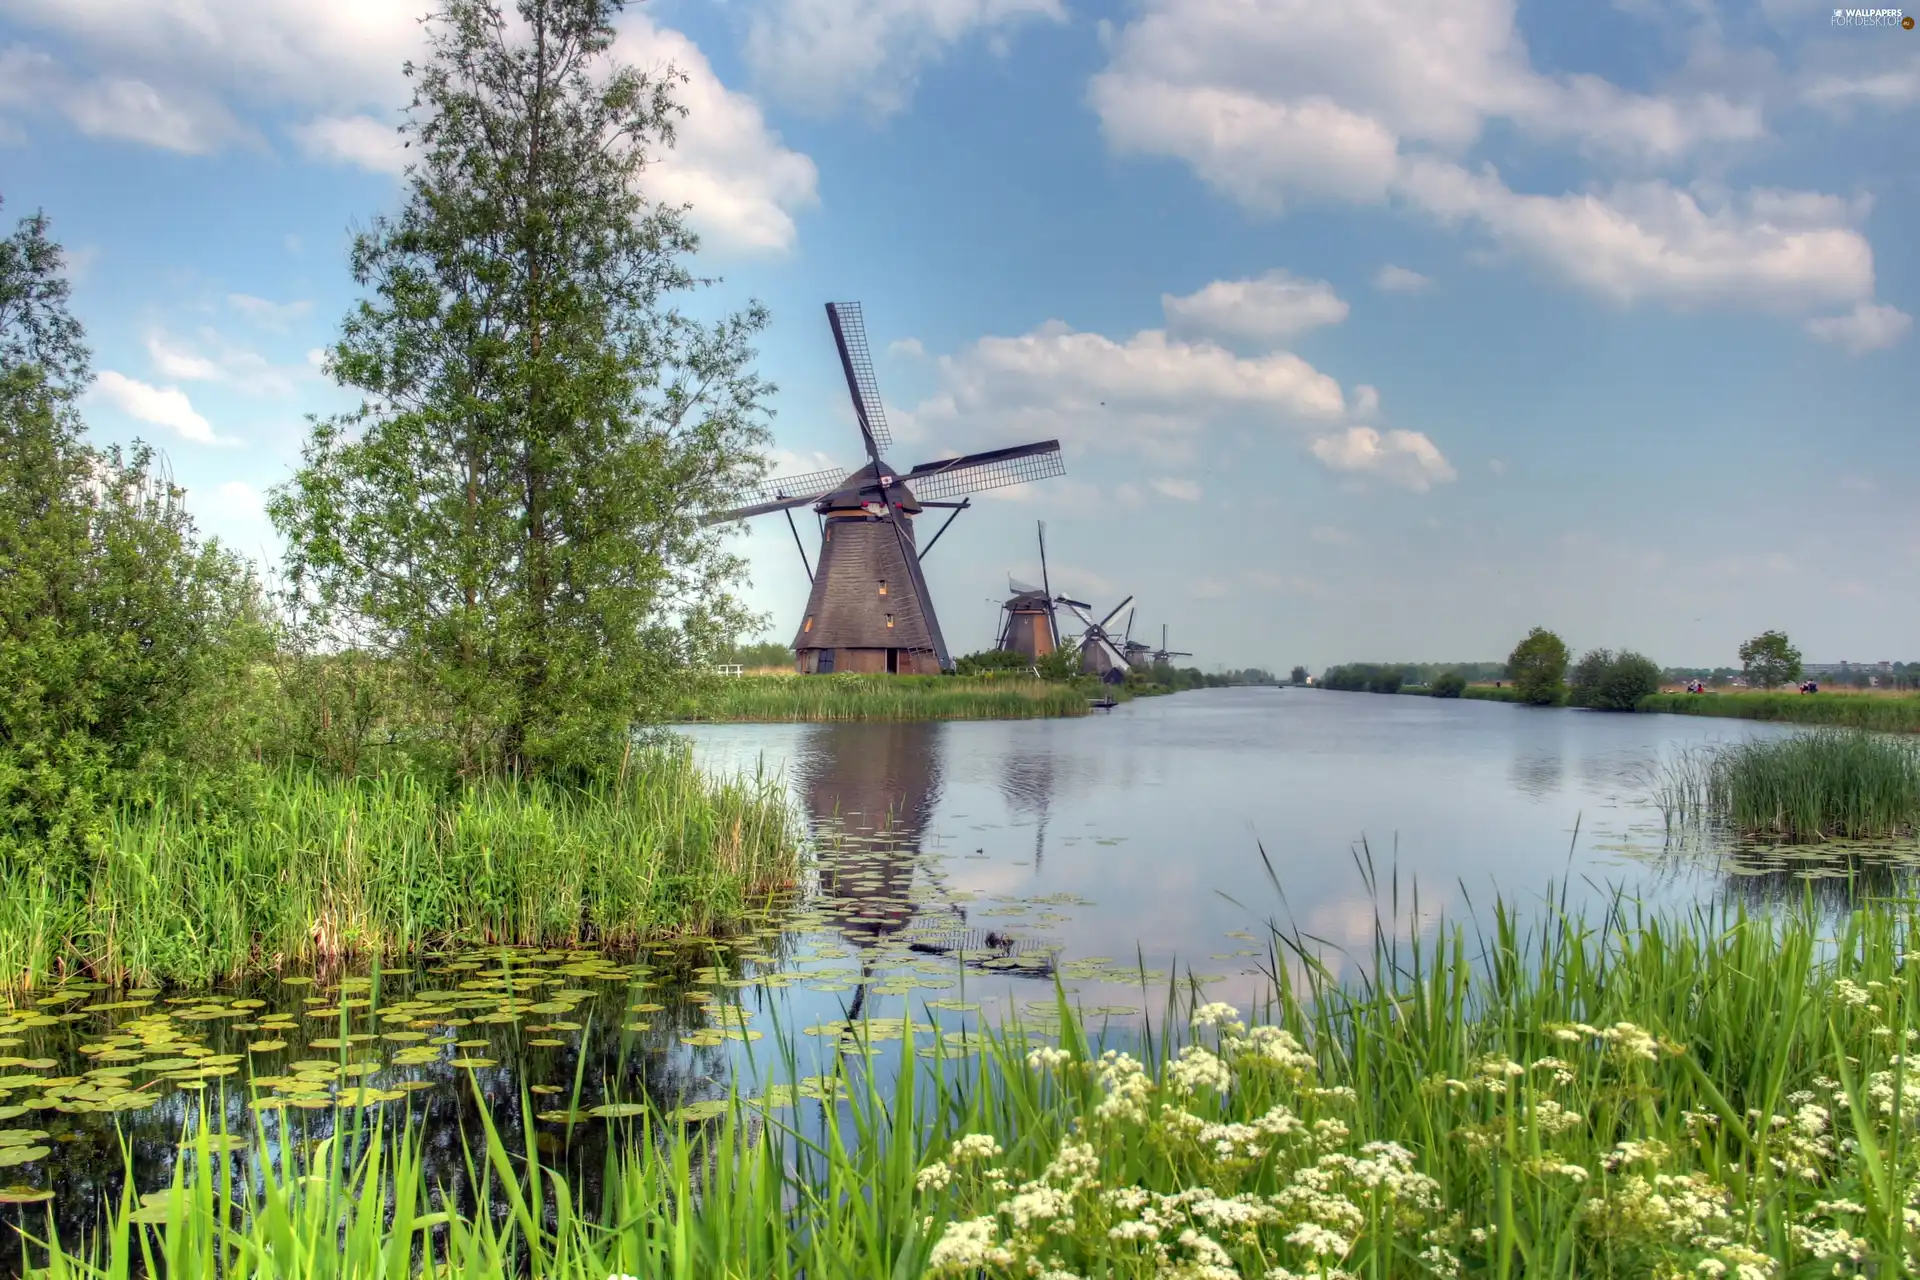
883,586
889,620
809,623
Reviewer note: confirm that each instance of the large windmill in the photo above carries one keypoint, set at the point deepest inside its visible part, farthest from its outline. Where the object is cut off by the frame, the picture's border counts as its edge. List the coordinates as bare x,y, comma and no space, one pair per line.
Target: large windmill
870,609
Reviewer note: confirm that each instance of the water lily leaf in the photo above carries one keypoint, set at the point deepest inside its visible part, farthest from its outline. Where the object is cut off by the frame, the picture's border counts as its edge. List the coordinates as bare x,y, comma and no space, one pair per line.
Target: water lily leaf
24,1195
266,1046
618,1110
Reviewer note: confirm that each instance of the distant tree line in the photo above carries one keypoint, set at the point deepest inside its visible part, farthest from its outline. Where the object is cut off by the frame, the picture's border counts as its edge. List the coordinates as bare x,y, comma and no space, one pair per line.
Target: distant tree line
1392,677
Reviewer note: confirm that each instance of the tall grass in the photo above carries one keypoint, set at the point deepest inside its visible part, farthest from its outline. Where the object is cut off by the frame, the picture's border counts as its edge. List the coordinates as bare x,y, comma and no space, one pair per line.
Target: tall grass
311,868
1825,785
881,697
1631,1094
1894,713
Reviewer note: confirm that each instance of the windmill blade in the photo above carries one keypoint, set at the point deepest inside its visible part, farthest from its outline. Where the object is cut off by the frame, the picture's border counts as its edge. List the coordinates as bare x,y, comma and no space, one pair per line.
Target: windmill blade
1128,634
977,472
813,485
856,359
1046,584
758,509
1072,604
1116,612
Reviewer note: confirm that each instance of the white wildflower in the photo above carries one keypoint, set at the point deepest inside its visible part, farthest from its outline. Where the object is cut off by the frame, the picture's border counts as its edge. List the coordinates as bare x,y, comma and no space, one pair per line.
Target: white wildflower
1198,1068
968,1246
975,1146
1048,1058
935,1177
1319,1241
1218,1015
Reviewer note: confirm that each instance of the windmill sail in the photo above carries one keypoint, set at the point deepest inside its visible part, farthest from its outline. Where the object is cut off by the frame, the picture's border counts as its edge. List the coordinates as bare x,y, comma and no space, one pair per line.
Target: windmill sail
856,360
978,472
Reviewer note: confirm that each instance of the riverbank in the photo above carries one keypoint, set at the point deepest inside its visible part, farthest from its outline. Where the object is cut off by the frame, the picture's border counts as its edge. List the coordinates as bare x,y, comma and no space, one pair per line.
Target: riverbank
1636,1094
788,698
306,869
1893,713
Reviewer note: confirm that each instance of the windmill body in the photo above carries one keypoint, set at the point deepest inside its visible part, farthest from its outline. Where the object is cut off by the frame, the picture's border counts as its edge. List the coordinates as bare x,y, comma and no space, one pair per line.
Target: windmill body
869,609
1031,628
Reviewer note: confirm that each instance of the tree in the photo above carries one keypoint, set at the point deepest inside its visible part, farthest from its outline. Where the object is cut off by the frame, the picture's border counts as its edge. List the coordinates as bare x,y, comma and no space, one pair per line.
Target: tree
1606,681
1448,684
1770,660
1297,676
1583,683
117,624
513,512
1538,668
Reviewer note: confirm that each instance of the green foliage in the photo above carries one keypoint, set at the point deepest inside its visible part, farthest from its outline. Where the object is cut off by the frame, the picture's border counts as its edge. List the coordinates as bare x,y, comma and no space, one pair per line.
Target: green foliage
1364,677
1538,666
990,695
122,634
974,664
766,653
1827,785
513,514
1643,1111
1770,660
1449,684
1606,681
302,867
1890,714
1059,664
1297,676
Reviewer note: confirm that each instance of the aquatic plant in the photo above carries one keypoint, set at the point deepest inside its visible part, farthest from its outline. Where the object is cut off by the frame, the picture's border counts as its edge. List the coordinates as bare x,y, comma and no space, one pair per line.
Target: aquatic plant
1825,785
313,868
1704,1094
881,697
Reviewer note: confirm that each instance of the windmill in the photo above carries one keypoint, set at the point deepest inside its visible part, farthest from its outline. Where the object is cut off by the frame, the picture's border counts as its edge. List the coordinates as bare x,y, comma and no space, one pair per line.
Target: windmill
1100,654
869,609
1032,628
1138,652
1163,653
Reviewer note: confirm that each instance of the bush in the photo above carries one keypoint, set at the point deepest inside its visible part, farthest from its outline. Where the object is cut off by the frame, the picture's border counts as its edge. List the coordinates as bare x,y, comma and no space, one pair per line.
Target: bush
1449,684
1607,681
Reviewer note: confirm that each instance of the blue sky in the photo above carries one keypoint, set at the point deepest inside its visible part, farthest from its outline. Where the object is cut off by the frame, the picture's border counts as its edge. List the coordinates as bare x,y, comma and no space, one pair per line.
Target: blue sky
1368,336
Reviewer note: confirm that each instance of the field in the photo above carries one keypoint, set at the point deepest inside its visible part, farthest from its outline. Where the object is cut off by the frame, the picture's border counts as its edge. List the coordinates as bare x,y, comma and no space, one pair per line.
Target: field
881,697
1891,712
311,869
1635,1094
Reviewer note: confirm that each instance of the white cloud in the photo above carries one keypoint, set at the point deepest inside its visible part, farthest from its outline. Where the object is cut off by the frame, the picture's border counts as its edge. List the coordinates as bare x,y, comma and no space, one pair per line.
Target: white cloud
1276,101
358,140
338,64
1392,279
1150,394
1272,308
818,54
906,349
162,406
266,314
1404,458
1178,489
213,359
1868,327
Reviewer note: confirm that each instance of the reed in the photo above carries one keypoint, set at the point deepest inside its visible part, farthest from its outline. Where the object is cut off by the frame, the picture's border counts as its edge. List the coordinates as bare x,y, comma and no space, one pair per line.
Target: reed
1892,713
881,697
311,869
1627,1094
1826,785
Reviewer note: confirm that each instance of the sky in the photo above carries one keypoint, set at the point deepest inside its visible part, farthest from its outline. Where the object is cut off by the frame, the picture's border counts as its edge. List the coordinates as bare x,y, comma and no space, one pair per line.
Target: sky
1370,333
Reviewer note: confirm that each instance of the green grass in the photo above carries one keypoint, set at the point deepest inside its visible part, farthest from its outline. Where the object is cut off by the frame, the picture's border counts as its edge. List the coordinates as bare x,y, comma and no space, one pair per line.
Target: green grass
1893,713
1488,693
1825,785
882,697
310,869
1631,1094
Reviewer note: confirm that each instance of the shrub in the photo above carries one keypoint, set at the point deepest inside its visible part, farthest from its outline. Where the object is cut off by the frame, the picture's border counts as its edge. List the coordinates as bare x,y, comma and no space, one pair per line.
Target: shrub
1448,684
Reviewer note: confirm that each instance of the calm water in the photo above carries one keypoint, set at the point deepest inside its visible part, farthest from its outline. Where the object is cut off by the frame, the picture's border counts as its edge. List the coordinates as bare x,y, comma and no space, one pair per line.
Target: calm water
960,870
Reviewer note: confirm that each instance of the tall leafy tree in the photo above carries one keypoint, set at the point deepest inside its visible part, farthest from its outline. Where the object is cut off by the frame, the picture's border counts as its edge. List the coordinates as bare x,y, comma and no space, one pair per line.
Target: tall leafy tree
1770,660
116,620
1538,667
511,513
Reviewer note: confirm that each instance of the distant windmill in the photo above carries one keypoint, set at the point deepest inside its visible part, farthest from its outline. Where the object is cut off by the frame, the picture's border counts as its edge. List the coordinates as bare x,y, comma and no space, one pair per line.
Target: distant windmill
1162,654
870,609
1138,652
1031,628
1100,654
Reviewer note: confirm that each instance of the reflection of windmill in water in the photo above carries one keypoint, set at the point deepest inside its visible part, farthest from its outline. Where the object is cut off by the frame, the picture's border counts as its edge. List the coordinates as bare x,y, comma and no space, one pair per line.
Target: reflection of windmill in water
870,789
1027,781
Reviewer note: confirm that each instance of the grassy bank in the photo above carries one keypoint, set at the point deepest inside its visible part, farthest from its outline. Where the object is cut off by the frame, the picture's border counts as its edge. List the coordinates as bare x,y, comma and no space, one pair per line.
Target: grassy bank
1826,785
1892,713
308,868
1490,693
1630,1095
882,697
